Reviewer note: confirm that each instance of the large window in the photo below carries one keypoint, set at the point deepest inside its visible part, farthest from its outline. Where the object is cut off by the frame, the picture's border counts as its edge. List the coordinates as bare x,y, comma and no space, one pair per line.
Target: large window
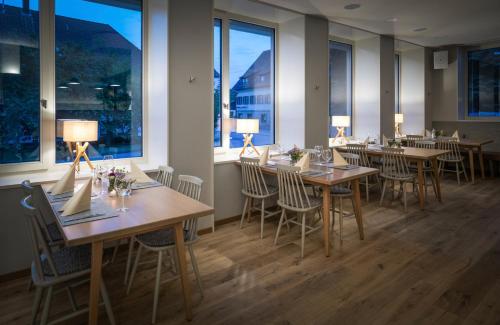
98,60
484,83
19,82
340,83
249,81
397,83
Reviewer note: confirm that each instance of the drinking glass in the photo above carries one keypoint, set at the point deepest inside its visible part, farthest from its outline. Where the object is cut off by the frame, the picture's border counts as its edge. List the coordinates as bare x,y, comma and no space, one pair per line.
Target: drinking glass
318,149
123,188
108,161
327,155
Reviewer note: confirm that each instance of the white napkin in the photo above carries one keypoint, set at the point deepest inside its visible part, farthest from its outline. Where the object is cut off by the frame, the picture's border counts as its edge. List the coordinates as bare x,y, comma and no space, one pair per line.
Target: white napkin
137,174
264,157
367,140
80,200
65,184
338,160
427,133
385,141
303,163
455,135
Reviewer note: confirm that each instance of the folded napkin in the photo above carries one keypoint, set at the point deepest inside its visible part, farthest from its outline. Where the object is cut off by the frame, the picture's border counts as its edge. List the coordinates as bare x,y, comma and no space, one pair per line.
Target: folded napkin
338,160
65,184
427,133
137,174
385,141
80,200
303,163
264,157
455,135
367,140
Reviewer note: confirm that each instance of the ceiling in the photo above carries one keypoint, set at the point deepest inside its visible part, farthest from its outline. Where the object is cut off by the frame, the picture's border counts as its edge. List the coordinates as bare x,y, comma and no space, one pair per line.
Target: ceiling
447,22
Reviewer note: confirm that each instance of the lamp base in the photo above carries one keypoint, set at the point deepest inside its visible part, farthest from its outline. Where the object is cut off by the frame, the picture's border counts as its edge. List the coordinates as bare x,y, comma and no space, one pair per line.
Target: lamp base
248,142
80,152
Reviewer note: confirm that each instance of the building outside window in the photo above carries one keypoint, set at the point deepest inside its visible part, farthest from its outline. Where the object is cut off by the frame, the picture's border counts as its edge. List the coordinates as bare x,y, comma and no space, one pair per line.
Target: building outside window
340,83
484,83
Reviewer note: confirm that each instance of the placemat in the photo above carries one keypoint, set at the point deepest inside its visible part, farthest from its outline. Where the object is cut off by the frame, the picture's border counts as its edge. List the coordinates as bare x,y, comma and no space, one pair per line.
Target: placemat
314,173
348,167
99,209
59,197
138,186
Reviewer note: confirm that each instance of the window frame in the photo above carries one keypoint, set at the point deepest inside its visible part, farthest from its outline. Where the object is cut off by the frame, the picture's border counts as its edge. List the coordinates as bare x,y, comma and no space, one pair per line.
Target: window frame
47,162
225,18
397,82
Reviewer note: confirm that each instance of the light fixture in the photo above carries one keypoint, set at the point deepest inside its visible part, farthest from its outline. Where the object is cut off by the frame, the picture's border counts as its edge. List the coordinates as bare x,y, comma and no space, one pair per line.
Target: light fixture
98,88
114,85
79,131
62,86
398,120
420,29
73,82
352,6
248,127
341,122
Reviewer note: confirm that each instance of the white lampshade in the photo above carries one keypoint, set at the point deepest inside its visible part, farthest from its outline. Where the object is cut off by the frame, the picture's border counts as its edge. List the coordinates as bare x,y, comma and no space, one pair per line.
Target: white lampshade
247,126
79,131
398,118
343,121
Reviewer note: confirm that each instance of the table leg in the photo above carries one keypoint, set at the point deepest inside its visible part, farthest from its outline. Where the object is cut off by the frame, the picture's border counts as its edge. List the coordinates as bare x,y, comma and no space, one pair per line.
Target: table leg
357,207
421,195
95,281
481,161
326,218
471,165
436,178
181,254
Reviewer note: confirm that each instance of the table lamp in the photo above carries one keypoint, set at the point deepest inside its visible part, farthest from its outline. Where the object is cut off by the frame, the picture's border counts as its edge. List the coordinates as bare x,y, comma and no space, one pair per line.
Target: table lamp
341,122
398,120
80,131
248,127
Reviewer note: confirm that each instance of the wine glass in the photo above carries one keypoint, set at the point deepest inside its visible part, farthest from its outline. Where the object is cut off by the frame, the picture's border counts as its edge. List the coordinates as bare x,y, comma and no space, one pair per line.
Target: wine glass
123,188
318,149
327,155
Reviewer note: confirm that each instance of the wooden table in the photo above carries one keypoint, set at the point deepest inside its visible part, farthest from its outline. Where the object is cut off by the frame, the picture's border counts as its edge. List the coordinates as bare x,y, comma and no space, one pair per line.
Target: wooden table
419,155
337,176
471,146
149,209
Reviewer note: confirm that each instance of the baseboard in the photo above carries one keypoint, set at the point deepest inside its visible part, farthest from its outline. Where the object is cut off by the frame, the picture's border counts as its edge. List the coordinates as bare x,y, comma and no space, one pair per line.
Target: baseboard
14,275
219,223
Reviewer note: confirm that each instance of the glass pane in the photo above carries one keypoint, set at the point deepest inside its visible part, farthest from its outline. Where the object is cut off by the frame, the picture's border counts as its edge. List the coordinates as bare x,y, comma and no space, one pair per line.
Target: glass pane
484,82
19,82
217,83
397,82
340,83
251,78
99,74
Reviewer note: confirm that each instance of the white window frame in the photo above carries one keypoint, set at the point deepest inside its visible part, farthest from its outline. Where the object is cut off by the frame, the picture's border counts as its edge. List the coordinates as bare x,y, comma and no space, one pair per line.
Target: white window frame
224,152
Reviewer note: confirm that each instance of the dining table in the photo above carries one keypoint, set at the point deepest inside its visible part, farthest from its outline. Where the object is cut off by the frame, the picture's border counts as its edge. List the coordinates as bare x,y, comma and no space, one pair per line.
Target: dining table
149,209
329,176
418,155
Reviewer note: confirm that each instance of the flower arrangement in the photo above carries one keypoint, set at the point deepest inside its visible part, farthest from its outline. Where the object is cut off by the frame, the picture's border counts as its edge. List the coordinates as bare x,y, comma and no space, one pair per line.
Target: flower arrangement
118,178
295,154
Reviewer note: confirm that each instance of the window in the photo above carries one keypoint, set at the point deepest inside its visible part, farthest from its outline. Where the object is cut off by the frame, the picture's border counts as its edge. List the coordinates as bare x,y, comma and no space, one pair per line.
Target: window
484,83
98,63
217,83
340,83
250,80
19,82
397,83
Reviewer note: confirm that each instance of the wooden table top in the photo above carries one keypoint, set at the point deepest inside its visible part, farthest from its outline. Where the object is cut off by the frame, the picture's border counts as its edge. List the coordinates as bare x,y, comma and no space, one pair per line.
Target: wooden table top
464,142
335,176
149,209
411,153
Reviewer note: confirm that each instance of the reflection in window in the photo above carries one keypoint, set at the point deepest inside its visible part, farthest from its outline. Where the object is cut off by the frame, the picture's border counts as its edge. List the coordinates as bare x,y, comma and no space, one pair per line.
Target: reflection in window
340,83
251,74
397,83
484,83
98,58
19,82
217,83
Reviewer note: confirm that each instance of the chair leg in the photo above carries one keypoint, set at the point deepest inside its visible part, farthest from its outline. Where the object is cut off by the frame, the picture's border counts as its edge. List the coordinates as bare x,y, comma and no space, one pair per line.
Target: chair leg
458,173
134,269
332,220
341,219
71,297
195,268
279,227
367,189
303,236
157,287
115,251
36,304
30,284
244,212
107,303
262,214
403,186
425,184
46,306
129,259
465,172
383,192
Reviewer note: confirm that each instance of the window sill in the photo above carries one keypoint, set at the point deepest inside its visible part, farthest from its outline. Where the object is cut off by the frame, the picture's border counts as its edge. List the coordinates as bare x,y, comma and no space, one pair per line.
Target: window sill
229,156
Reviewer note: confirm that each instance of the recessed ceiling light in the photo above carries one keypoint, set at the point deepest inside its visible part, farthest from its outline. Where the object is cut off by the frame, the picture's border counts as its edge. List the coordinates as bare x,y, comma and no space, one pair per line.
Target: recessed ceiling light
421,29
352,6
392,20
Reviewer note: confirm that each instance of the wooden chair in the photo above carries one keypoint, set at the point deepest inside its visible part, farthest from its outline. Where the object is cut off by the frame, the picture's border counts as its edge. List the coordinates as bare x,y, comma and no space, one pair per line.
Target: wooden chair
395,169
412,138
428,168
452,157
293,197
65,268
360,150
255,188
163,241
165,175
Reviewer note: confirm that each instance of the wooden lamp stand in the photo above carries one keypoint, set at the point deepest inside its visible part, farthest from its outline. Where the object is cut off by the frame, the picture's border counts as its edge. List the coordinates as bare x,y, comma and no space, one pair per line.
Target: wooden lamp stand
80,152
248,142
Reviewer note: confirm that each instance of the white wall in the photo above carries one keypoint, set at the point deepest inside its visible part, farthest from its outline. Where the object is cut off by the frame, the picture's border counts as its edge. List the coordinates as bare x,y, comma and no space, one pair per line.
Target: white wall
387,86
412,65
445,90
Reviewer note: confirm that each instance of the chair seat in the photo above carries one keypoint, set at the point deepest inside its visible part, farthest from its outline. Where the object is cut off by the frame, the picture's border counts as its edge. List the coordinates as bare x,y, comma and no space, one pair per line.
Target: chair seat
340,190
54,233
273,190
314,201
402,177
160,238
68,260
446,159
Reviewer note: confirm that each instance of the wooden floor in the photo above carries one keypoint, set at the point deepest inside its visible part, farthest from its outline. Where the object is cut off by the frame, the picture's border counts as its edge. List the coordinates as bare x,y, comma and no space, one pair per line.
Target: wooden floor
438,266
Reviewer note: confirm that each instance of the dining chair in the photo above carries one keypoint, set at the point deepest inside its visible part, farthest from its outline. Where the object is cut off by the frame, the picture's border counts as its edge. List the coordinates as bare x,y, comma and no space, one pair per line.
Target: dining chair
163,241
256,188
452,157
165,175
412,138
428,168
395,169
53,271
364,161
292,196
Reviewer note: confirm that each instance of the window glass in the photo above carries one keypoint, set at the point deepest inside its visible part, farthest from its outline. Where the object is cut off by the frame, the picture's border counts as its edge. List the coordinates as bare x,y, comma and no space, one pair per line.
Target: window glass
19,82
217,83
484,83
340,83
98,59
397,83
251,73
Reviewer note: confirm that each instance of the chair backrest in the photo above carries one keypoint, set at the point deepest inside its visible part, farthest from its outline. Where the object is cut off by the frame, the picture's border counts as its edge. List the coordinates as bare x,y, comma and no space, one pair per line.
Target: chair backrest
165,175
412,138
40,243
450,144
351,158
425,144
394,163
27,187
360,150
292,192
190,186
253,179
29,190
